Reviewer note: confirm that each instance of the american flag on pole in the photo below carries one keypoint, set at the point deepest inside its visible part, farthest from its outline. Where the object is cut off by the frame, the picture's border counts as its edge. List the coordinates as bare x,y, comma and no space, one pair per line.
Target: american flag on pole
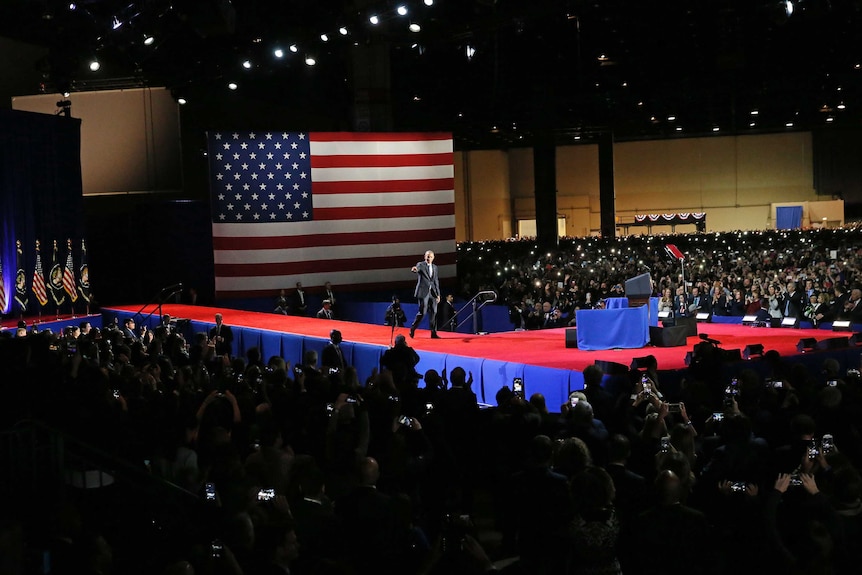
3,301
69,274
354,209
39,287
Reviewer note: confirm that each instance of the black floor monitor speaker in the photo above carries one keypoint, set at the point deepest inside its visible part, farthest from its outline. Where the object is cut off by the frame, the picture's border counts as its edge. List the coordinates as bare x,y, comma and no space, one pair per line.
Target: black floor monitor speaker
572,337
674,336
690,323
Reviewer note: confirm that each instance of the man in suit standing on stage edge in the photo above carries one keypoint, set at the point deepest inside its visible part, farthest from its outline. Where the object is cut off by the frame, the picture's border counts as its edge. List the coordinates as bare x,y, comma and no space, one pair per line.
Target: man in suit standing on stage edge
427,293
222,336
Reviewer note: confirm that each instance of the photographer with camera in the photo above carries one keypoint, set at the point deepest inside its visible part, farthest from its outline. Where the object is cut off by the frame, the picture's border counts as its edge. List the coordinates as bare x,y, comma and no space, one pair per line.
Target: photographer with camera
395,316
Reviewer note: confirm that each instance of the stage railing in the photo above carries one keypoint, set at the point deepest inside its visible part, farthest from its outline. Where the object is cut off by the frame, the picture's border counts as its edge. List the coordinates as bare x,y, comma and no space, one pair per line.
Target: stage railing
476,303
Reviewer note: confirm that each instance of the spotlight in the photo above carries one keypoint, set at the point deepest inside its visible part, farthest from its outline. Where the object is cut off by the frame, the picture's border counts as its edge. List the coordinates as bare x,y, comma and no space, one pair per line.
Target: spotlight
374,19
66,94
73,6
148,40
310,61
324,37
232,85
414,27
429,2
246,64
115,25
293,48
402,10
342,31
278,53
182,101
94,65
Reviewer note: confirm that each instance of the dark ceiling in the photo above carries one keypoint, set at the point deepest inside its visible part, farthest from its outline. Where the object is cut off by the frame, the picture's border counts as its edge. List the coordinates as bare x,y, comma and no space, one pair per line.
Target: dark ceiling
642,68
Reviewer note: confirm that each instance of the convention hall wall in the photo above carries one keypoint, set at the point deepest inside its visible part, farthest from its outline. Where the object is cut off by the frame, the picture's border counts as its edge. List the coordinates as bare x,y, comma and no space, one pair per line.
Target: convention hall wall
735,180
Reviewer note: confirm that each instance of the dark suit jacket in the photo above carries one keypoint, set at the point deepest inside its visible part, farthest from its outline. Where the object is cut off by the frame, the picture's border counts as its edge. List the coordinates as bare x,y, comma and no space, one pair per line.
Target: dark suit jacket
226,334
425,283
631,491
332,356
792,305
300,303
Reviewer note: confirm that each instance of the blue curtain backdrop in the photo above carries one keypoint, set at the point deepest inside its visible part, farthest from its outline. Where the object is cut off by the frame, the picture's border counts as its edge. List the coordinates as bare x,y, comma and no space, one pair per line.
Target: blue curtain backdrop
40,193
788,217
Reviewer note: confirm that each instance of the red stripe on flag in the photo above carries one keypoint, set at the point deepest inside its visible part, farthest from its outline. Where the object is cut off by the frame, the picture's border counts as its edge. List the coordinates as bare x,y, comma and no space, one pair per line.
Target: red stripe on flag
378,136
323,266
429,185
327,240
362,213
382,160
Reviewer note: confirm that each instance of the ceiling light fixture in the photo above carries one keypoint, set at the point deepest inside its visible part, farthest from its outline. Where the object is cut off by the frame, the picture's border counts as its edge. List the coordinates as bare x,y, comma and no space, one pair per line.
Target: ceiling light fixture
716,129
471,51
232,85
72,6
841,106
95,65
755,112
429,2
342,31
115,25
310,61
181,101
374,19
414,27
402,10
324,37
278,53
148,40
246,64
293,48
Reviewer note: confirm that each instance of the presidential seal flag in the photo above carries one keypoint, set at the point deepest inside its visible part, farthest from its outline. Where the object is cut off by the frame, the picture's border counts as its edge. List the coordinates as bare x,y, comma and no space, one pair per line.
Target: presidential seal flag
84,275
56,279
39,287
21,298
69,274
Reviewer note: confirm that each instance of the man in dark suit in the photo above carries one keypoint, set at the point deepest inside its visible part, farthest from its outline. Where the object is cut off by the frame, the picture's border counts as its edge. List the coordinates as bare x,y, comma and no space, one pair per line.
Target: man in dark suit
368,520
427,293
325,311
332,356
300,302
222,336
792,304
446,319
129,329
669,522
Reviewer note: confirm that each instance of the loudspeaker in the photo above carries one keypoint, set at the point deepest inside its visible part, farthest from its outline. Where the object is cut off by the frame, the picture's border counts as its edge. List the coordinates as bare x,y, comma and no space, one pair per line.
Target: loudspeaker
572,337
690,323
668,336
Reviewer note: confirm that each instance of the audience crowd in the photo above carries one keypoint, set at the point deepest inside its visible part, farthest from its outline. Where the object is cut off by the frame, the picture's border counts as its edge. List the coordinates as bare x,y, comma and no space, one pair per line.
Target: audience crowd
303,468
809,274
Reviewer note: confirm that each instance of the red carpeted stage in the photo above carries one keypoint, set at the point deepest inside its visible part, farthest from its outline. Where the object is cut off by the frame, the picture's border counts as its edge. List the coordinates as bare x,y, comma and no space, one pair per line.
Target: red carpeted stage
544,348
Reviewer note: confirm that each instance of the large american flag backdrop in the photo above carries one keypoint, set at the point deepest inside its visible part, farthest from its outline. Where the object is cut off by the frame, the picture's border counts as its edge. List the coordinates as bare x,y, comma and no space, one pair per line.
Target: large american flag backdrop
354,209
